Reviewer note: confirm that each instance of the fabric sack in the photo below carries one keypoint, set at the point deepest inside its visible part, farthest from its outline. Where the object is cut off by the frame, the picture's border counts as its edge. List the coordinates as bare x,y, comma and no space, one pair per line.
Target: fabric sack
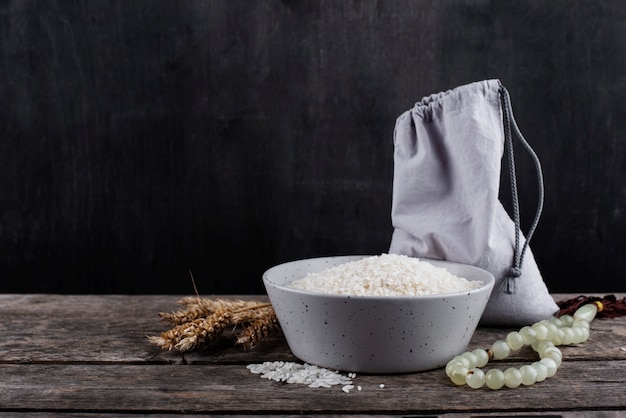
447,165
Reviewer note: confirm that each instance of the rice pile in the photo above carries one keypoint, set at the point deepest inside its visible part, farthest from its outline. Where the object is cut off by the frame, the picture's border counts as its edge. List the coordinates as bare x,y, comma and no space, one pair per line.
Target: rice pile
307,374
385,275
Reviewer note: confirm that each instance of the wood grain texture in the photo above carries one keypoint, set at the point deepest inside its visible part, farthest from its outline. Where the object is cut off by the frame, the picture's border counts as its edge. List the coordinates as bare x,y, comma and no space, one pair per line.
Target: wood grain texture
226,388
88,354
141,140
115,328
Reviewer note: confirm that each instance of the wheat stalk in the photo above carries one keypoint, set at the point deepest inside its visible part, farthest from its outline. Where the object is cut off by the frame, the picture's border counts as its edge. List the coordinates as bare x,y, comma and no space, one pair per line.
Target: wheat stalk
258,329
197,307
203,320
194,334
252,312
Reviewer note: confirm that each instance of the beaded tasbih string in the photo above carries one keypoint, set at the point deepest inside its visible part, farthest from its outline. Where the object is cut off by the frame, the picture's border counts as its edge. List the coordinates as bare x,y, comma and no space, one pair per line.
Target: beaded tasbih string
543,336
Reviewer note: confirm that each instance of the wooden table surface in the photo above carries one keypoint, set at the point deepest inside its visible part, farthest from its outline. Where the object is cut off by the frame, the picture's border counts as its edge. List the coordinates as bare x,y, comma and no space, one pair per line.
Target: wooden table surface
89,356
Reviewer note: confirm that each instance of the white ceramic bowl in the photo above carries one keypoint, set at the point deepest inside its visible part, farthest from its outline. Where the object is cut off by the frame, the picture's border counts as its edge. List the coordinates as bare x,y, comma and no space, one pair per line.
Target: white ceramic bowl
375,334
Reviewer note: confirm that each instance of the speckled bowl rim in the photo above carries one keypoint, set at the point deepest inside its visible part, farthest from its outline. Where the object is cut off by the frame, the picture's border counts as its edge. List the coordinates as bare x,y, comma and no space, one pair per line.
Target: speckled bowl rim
487,285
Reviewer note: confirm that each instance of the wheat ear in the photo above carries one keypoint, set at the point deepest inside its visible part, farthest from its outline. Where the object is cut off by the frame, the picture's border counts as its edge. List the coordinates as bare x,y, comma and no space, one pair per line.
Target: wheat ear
197,307
257,326
194,334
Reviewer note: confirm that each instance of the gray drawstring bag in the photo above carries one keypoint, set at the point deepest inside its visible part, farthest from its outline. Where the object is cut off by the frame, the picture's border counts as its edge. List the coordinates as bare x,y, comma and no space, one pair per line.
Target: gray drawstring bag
447,163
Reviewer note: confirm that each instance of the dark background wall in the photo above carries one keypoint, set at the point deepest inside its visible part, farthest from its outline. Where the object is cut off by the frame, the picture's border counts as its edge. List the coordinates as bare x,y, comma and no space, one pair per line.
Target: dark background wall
140,140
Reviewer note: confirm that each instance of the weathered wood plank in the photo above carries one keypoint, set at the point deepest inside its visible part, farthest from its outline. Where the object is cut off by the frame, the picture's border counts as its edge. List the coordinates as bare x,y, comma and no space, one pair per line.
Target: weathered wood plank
579,385
538,414
89,354
113,328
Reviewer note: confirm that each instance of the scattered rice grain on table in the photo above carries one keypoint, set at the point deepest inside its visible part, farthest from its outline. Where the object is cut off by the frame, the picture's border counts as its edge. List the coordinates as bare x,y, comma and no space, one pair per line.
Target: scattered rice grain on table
307,374
385,275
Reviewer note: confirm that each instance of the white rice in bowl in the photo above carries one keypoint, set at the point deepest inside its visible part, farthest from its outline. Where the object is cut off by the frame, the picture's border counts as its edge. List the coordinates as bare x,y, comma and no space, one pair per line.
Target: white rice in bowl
385,275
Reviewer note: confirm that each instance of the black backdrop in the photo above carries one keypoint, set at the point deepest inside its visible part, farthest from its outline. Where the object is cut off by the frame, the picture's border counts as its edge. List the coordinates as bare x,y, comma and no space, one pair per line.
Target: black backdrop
142,140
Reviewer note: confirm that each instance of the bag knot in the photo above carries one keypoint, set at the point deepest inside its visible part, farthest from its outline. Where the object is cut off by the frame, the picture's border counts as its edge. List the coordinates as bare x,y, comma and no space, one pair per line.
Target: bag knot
514,272
509,285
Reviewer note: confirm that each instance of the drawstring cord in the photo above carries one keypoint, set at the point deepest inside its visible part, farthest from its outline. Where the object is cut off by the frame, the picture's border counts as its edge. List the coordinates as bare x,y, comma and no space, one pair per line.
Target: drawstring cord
509,285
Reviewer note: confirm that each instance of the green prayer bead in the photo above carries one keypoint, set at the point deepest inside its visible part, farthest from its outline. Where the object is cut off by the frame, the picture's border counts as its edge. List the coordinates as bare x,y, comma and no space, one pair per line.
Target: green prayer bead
459,375
475,378
550,366
515,340
586,312
512,378
500,349
542,371
482,357
529,375
528,334
494,379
